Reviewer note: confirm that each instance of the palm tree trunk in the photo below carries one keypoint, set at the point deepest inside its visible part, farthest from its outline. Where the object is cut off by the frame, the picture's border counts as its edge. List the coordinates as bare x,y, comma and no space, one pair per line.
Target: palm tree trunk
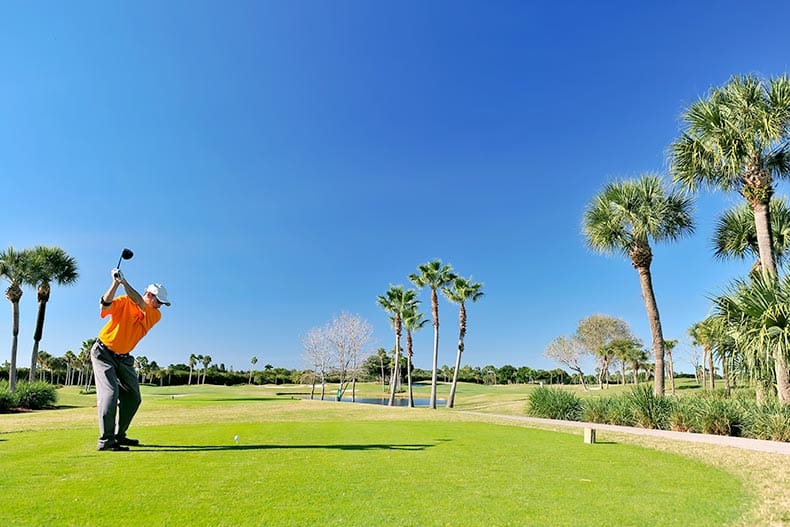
654,320
782,378
409,344
42,311
725,373
461,335
435,368
395,377
762,225
671,371
711,368
14,343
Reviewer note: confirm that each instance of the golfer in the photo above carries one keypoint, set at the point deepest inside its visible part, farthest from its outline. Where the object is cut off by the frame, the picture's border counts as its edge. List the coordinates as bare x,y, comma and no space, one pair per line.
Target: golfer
117,390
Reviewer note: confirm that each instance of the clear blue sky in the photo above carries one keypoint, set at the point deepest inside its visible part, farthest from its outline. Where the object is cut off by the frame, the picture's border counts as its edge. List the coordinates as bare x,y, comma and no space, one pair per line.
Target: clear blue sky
277,163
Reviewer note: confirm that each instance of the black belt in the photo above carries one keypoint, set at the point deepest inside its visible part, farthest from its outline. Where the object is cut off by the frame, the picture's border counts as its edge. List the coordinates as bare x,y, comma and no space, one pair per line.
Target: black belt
104,346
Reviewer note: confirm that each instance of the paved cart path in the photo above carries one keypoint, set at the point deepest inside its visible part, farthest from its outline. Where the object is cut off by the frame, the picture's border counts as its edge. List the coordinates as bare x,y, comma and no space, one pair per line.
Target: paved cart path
760,445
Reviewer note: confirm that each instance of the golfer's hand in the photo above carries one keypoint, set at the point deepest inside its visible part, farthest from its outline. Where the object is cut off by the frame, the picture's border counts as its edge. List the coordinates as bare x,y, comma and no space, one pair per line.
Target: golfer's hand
117,276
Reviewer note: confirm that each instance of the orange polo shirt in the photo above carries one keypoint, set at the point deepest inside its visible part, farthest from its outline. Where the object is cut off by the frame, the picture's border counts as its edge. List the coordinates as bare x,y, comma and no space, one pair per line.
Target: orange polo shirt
127,324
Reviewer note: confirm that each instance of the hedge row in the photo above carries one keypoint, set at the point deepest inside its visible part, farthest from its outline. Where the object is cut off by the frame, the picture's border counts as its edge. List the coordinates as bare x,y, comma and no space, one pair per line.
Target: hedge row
708,413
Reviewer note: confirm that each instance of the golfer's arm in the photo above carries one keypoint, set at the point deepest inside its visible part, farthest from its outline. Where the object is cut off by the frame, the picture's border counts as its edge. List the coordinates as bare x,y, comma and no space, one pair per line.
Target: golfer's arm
108,296
133,295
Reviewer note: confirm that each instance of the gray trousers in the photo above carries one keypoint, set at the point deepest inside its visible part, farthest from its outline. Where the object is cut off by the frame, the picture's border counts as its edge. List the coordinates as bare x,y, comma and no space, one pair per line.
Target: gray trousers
117,391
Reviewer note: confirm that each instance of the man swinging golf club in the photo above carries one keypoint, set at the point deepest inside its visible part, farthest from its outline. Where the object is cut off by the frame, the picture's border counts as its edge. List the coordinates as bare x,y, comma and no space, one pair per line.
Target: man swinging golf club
117,389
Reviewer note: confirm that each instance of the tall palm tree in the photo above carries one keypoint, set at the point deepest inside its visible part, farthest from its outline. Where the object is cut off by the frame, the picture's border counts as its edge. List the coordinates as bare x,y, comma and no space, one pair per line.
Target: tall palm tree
669,345
396,301
15,267
50,264
735,235
206,360
757,314
709,334
433,275
192,361
737,140
413,321
624,218
459,292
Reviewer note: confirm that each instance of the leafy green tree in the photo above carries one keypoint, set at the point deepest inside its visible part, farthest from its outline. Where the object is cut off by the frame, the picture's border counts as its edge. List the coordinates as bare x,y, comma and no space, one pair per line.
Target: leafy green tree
595,332
624,218
459,292
736,139
15,266
49,265
433,275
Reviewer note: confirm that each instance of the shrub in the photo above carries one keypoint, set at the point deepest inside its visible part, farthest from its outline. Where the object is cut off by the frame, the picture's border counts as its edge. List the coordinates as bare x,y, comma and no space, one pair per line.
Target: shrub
621,412
681,415
553,403
36,395
715,415
771,421
7,399
597,410
648,410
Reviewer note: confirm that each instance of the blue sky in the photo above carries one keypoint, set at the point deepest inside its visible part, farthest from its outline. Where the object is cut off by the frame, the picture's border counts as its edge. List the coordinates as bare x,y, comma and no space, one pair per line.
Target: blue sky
277,163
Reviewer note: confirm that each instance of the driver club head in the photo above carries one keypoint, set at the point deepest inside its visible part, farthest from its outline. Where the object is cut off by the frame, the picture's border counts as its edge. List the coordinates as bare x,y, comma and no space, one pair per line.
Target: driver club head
126,254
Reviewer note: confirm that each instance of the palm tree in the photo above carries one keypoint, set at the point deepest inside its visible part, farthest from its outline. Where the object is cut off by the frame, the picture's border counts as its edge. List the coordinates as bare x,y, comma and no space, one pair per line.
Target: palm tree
707,334
624,218
396,301
433,275
737,140
71,360
192,361
757,316
253,362
735,235
669,345
15,267
206,360
459,291
50,264
413,321
85,360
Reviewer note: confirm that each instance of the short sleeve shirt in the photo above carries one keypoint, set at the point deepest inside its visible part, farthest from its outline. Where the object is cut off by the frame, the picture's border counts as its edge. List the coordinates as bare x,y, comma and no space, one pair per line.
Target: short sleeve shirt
127,324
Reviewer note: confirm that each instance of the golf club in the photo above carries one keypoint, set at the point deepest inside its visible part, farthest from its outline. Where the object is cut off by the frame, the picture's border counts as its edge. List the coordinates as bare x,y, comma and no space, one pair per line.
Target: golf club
126,254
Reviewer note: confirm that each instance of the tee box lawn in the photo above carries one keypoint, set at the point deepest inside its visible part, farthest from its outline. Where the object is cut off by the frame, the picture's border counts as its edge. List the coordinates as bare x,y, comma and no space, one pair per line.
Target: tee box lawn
247,456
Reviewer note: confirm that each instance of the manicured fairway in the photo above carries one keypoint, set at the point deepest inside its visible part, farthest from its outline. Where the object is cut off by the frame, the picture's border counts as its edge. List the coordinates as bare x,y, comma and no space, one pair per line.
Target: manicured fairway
306,463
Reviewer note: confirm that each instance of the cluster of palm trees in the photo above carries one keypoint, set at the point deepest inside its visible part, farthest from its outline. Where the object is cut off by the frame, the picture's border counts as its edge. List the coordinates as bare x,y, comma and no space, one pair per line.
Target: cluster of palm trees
403,307
194,360
735,139
39,267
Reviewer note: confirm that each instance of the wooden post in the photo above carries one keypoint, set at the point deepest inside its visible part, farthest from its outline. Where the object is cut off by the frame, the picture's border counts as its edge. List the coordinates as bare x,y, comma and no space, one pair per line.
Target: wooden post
589,435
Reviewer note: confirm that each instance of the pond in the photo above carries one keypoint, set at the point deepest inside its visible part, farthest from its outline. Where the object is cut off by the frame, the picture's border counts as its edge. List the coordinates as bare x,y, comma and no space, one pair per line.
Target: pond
399,401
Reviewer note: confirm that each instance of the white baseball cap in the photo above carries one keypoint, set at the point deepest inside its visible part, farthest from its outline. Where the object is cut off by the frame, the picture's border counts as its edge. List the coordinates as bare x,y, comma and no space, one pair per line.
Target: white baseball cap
159,291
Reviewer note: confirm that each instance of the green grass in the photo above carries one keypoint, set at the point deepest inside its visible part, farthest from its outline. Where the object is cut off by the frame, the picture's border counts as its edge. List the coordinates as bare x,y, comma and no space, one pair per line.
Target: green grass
307,462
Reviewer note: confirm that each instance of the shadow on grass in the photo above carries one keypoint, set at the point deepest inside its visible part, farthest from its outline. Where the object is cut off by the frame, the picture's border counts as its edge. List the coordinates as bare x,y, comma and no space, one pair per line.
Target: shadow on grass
207,448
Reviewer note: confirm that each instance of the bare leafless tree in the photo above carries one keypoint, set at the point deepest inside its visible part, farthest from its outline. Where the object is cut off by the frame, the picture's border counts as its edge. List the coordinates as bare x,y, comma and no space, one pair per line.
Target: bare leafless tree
316,355
348,336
